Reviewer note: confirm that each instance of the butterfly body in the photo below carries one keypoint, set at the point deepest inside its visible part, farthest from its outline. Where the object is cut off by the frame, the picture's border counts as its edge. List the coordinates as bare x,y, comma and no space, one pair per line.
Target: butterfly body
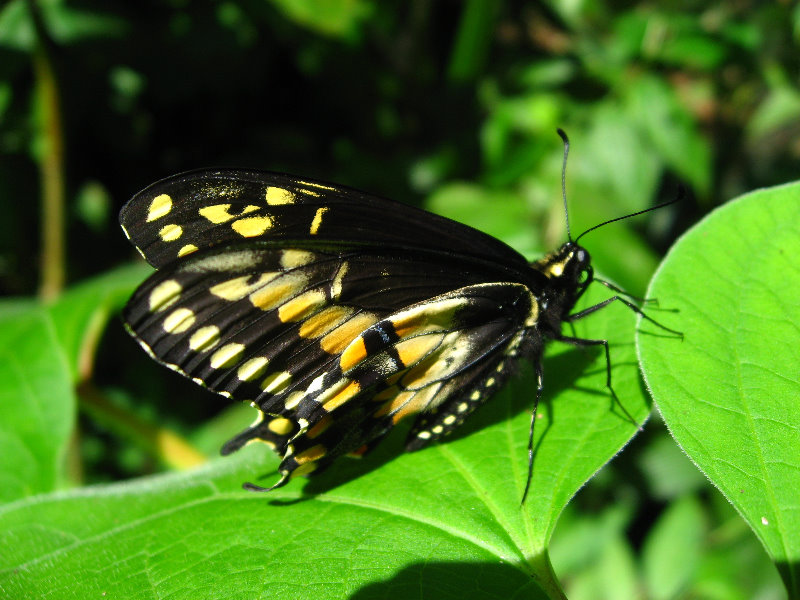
337,314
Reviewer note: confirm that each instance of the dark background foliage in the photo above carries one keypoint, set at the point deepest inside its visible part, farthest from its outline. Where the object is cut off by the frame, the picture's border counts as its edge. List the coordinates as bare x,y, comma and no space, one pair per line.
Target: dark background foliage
450,105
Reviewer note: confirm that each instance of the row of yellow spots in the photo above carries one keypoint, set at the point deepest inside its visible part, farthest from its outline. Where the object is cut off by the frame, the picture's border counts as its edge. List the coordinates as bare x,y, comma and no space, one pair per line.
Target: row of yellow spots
252,226
476,396
449,421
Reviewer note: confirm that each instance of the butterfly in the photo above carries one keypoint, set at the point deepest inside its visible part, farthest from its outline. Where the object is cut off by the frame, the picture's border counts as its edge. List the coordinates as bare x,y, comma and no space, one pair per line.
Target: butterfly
338,314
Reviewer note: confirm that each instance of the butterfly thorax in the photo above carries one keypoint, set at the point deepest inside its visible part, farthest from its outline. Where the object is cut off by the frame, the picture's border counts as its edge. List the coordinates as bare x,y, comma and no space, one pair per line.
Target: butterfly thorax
569,272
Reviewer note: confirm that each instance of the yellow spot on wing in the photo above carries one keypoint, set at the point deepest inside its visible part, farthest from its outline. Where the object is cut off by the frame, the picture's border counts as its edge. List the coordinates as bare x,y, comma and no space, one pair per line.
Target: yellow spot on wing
227,356
280,426
317,220
204,338
355,352
179,320
165,294
252,369
275,383
319,428
279,291
338,339
337,398
325,320
291,259
414,349
301,306
276,195
170,233
187,249
336,285
432,316
293,399
252,226
310,455
305,469
439,365
240,287
159,207
220,213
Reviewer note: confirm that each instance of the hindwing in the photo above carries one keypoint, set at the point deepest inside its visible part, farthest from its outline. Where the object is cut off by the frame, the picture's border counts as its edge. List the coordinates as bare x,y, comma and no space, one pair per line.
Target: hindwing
333,345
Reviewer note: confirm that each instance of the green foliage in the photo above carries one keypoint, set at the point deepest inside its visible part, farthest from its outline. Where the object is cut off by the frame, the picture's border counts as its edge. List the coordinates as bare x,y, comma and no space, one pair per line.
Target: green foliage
37,403
731,393
455,105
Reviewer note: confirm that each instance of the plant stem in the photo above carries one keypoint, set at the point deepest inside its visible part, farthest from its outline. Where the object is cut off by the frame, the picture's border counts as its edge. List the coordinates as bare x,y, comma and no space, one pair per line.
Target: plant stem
166,445
51,165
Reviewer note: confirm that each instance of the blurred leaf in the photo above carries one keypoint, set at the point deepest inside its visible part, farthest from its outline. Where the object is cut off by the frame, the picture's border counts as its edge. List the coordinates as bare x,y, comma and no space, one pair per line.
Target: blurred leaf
695,51
730,392
612,577
370,526
6,95
472,40
620,160
80,314
211,435
37,404
502,214
673,548
579,537
548,73
93,205
335,18
65,24
669,472
780,109
671,130
512,129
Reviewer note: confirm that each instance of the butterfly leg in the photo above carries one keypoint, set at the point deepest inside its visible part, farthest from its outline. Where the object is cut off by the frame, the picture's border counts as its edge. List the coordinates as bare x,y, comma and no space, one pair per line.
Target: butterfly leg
619,290
539,388
585,342
587,311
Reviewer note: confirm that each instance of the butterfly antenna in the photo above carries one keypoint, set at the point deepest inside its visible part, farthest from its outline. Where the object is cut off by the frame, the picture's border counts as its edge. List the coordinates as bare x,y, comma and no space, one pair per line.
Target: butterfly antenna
681,195
564,178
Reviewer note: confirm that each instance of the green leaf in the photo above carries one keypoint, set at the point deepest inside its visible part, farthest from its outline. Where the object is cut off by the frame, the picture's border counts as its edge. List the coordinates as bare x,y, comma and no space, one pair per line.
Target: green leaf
730,392
673,548
500,213
37,404
339,18
66,24
441,522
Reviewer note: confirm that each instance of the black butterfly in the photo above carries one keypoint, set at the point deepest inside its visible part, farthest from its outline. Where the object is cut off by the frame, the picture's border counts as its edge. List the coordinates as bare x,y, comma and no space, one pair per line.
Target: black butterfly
337,313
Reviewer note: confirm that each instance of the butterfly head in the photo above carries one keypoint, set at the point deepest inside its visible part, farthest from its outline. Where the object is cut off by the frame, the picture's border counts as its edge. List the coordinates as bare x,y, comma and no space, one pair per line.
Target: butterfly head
569,271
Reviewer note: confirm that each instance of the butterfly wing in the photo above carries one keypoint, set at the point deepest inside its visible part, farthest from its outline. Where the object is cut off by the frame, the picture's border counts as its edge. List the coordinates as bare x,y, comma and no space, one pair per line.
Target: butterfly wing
336,313
201,209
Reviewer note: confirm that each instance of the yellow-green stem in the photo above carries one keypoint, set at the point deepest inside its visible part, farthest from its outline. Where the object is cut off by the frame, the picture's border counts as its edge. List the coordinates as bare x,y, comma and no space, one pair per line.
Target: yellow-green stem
51,168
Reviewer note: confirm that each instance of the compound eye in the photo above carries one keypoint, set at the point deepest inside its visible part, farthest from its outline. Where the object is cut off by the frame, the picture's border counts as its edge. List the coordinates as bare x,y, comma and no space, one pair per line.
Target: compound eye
580,255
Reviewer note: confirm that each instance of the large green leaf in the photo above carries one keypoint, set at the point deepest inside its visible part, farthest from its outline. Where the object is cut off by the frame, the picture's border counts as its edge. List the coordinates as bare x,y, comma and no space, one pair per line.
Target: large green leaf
730,393
442,522
37,404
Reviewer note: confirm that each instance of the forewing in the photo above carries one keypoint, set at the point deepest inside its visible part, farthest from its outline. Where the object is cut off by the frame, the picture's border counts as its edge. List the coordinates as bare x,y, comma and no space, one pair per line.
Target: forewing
201,209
